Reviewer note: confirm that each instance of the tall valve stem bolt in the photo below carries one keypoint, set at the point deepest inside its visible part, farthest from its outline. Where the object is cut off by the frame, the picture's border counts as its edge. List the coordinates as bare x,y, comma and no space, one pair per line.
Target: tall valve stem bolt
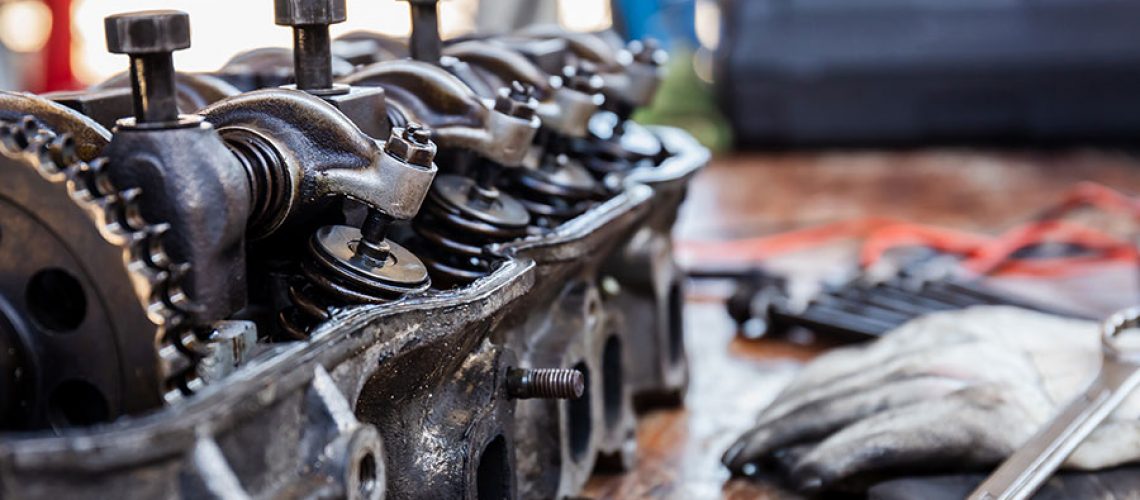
425,44
149,38
312,47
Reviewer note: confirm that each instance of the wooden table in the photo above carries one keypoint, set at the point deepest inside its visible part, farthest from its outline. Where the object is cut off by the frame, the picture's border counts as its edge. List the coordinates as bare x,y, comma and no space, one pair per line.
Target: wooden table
748,195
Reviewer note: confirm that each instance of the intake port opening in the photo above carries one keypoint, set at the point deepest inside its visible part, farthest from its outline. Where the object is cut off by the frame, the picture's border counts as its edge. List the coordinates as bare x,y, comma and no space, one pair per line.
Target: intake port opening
676,327
612,381
56,300
578,417
366,471
493,476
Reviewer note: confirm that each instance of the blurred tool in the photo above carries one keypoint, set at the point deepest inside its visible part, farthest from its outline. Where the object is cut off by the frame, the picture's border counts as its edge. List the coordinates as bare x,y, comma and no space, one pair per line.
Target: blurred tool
1035,462
907,270
860,308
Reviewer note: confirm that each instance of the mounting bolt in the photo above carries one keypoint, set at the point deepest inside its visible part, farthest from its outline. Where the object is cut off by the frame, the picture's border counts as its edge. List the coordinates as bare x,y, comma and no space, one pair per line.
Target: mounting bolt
150,37
517,101
583,78
545,383
412,145
425,44
647,52
312,47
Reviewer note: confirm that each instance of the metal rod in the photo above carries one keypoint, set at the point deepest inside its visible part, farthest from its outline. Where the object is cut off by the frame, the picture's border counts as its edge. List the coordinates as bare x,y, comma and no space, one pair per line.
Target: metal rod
425,44
154,93
312,57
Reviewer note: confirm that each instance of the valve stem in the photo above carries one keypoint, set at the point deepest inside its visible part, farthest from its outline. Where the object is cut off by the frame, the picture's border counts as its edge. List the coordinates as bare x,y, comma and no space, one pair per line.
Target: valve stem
373,233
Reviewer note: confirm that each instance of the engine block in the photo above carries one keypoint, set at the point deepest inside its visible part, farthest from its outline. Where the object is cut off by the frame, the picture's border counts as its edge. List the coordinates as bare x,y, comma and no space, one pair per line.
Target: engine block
289,321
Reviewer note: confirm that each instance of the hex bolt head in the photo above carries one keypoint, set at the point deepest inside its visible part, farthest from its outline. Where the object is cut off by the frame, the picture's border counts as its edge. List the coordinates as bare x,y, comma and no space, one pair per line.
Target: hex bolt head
517,101
583,78
545,383
309,12
312,47
412,145
147,32
647,52
149,37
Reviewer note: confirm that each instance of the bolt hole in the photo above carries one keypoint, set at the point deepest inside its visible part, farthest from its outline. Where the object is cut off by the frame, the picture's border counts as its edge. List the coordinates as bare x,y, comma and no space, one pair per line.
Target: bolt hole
56,300
612,380
578,417
492,478
366,470
19,138
76,403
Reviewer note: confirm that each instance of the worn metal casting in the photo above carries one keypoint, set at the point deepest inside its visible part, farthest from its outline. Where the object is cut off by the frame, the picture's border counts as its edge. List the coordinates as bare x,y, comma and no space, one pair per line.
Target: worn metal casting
255,285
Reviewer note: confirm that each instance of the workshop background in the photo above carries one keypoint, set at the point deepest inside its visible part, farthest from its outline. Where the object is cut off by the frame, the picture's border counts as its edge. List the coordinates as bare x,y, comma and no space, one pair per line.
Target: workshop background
848,133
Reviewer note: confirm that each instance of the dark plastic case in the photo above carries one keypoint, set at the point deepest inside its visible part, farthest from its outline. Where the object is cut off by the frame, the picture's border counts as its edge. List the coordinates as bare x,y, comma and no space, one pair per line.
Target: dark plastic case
873,72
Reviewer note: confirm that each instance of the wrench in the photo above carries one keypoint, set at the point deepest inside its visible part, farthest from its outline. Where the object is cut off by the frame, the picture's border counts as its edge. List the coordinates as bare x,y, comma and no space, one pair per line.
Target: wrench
1030,466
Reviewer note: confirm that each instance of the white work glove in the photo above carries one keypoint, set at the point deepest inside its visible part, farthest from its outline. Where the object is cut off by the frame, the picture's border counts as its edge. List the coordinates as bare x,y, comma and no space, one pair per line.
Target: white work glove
948,392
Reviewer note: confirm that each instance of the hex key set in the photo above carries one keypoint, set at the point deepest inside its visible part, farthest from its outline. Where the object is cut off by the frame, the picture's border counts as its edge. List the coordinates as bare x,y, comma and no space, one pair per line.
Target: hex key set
856,309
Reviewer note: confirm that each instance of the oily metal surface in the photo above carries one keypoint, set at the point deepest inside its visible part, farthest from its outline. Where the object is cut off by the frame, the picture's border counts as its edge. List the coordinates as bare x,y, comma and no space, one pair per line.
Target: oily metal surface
429,95
336,246
424,372
459,193
75,282
318,154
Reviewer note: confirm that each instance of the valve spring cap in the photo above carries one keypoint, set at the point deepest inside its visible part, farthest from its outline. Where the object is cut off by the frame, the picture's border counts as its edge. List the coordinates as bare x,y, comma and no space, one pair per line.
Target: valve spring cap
517,101
583,78
148,32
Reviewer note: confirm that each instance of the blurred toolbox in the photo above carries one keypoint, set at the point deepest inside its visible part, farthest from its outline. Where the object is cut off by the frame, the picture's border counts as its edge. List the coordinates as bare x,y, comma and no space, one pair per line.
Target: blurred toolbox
873,72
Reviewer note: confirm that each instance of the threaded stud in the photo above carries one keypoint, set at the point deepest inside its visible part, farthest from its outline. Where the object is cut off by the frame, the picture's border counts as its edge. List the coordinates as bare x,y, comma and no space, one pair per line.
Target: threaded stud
545,383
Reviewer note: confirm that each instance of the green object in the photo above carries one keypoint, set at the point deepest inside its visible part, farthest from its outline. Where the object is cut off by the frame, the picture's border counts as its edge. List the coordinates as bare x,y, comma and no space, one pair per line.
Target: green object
685,101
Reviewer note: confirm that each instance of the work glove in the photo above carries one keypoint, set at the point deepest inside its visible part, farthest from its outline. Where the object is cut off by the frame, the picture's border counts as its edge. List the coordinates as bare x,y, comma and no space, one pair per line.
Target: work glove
946,392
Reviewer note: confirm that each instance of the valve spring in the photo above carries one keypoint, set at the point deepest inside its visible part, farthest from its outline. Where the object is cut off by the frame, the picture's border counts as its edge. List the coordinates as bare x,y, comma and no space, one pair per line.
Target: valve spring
349,266
604,157
268,177
452,243
314,294
549,202
396,118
